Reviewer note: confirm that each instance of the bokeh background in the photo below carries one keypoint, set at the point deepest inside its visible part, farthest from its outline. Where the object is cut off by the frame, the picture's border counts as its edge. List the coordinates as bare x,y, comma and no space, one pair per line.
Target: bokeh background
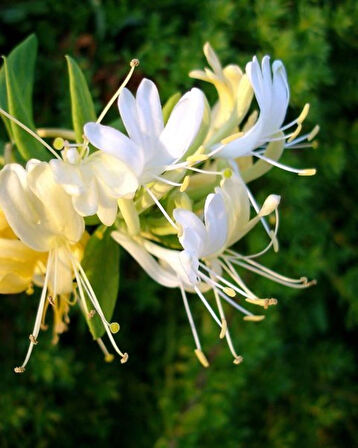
296,386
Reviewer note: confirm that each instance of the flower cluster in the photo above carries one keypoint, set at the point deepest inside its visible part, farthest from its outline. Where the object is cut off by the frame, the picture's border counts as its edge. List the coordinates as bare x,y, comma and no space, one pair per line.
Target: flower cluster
170,187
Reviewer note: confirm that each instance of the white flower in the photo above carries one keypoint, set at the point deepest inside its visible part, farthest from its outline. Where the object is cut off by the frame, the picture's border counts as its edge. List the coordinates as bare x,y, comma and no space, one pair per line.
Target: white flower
272,95
95,182
150,147
41,215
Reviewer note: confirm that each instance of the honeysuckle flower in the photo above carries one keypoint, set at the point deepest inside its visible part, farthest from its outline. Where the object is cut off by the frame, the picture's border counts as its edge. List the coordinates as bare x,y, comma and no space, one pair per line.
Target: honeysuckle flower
42,216
271,91
18,263
234,92
150,149
95,182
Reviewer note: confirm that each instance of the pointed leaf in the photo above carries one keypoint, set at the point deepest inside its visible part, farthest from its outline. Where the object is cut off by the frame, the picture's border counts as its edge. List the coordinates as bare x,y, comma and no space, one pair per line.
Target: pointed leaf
16,87
101,264
82,106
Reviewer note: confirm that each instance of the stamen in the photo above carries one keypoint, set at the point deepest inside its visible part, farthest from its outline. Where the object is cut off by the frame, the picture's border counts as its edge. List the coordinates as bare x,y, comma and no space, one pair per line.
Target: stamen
313,133
51,301
161,208
19,369
29,131
238,360
303,172
30,290
202,358
307,172
58,143
295,133
134,63
114,327
304,113
33,339
124,358
185,184
91,314
190,317
208,307
231,138
265,303
108,357
167,181
229,291
197,158
223,328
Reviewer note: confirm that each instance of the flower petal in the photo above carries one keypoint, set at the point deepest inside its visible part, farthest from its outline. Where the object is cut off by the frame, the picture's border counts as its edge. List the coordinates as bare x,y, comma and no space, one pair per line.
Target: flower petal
149,110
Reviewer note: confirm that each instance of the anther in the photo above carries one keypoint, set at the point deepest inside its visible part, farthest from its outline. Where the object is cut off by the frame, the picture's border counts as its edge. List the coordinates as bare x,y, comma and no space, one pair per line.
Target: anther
313,133
229,291
197,158
202,358
308,172
19,369
33,339
254,318
303,114
265,303
227,173
223,328
238,360
295,134
58,143
91,314
44,327
114,327
124,358
231,138
185,184
51,300
311,283
134,63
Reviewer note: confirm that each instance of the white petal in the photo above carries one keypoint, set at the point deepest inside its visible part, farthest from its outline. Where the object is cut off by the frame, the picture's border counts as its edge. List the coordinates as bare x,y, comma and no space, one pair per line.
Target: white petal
128,111
146,261
68,176
149,110
86,204
194,236
183,123
216,223
117,144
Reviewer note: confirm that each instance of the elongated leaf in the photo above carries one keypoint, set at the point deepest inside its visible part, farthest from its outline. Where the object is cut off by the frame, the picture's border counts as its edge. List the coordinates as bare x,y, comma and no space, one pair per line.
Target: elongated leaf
16,87
101,264
81,101
169,106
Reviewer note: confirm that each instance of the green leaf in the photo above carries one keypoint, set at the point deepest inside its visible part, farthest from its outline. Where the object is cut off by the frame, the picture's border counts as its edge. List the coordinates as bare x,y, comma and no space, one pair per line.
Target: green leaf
82,106
16,87
101,264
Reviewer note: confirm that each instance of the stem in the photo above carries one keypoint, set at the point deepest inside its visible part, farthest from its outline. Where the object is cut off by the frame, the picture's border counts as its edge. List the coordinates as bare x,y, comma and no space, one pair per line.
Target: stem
66,134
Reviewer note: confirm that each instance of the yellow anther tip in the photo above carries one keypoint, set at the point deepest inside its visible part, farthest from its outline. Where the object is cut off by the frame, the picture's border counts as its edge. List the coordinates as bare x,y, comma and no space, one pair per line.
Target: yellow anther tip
231,138
238,360
134,63
33,339
19,369
114,327
202,358
308,172
185,184
197,158
227,173
229,291
304,113
223,329
313,133
58,143
254,318
124,358
109,357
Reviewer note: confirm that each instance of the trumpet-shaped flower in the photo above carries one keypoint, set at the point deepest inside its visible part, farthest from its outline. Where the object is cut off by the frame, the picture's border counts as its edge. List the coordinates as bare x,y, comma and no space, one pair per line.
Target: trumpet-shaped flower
233,88
150,147
41,215
207,257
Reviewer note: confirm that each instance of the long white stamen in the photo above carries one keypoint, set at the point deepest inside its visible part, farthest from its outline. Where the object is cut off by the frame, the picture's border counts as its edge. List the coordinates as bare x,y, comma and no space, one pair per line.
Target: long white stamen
29,131
222,279
257,210
273,276
234,304
134,63
237,358
228,267
161,208
302,172
108,357
37,325
167,181
208,307
190,317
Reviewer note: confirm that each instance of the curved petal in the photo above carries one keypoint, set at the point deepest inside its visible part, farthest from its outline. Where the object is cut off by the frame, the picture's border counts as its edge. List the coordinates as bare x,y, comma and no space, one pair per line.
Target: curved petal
149,110
68,176
216,223
128,111
184,123
194,236
117,144
146,261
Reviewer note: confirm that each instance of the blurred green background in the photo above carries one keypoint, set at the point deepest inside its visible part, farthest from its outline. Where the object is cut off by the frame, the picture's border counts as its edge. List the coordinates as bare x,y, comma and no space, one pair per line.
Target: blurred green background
296,386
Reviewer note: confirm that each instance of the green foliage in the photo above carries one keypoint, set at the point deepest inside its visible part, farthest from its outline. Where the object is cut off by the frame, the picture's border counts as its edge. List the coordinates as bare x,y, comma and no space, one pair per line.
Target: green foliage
16,85
100,263
296,386
81,101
